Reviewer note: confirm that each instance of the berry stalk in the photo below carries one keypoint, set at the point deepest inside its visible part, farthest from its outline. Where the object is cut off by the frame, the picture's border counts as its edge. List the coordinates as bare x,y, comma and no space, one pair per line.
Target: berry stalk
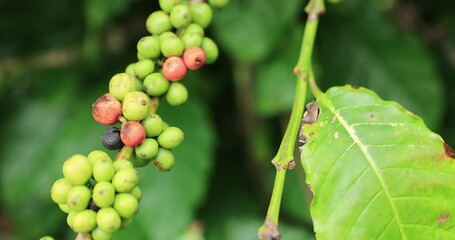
284,158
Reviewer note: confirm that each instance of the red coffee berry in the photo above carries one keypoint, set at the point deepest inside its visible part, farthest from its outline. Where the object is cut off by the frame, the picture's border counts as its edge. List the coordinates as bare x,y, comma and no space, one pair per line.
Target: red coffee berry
194,58
107,109
132,133
174,69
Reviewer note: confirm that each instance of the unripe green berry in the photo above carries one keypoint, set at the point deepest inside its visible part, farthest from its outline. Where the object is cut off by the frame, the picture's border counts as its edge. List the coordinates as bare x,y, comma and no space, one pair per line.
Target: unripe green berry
194,28
125,179
164,161
103,194
64,208
171,137
126,205
166,35
153,125
84,221
211,50
171,46
130,69
47,238
120,164
108,220
137,193
149,47
99,234
144,67
201,13
103,169
78,198
96,155
121,84
158,22
177,94
136,106
180,16
77,169
167,5
156,84
192,40
139,162
60,190
147,149
70,218
219,3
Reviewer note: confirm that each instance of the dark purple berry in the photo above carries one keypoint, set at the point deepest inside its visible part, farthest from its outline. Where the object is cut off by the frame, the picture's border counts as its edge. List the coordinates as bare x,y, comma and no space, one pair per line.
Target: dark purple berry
111,139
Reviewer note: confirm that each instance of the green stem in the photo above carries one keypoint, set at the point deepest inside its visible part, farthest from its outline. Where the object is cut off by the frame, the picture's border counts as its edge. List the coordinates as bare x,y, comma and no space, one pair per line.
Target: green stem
284,158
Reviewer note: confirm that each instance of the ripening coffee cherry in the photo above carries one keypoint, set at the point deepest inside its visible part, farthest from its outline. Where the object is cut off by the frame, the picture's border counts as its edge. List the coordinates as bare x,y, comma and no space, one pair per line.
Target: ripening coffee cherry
78,198
192,40
211,50
158,22
148,149
164,161
126,205
219,3
108,220
143,68
194,28
180,16
107,109
171,137
77,169
121,84
171,46
174,69
60,190
84,221
167,5
125,179
120,164
194,58
132,133
98,154
99,234
111,139
149,47
103,194
201,13
153,125
177,94
156,84
136,106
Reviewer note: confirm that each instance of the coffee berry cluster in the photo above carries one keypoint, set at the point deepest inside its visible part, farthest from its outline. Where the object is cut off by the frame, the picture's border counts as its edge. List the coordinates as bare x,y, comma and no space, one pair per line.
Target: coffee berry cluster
101,195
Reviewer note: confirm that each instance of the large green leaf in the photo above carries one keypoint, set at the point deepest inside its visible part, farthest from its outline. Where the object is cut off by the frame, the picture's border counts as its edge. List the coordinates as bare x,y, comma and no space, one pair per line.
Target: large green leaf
376,171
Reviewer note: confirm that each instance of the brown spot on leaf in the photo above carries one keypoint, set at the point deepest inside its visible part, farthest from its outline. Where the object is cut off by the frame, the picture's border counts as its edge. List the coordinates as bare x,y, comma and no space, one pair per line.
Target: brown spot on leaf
372,116
291,165
336,135
310,116
448,150
444,218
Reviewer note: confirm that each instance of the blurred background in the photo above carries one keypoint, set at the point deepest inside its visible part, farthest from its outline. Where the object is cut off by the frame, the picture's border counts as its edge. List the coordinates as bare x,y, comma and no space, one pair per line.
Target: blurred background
57,57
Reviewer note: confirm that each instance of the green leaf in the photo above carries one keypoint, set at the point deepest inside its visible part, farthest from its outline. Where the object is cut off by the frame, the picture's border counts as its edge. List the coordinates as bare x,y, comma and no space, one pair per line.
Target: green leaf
376,171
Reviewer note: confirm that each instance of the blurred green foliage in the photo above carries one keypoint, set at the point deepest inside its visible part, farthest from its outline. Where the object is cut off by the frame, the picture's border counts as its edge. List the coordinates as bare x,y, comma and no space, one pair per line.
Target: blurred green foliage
57,57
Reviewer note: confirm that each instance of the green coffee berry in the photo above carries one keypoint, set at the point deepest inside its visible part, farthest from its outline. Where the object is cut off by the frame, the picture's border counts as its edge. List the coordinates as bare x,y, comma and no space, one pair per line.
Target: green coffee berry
171,137
166,35
139,57
153,125
167,5
120,164
164,161
201,13
192,40
211,50
99,234
84,221
219,3
156,84
139,162
70,218
103,170
194,28
149,47
96,155
126,205
144,67
60,190
121,84
177,94
108,220
78,198
136,106
77,169
103,194
136,192
47,238
158,22
125,179
130,69
180,16
171,46
147,149
64,208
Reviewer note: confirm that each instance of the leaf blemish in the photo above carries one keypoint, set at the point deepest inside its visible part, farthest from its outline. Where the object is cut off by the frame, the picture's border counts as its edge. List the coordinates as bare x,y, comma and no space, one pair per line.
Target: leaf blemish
448,151
335,135
372,116
444,218
310,116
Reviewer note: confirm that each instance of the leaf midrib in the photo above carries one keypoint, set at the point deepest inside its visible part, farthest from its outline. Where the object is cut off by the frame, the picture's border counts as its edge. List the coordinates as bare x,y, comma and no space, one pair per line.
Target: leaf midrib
364,150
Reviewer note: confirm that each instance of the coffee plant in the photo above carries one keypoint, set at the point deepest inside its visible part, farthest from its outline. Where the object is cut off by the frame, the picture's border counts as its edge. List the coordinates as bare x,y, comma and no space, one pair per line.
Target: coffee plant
117,140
